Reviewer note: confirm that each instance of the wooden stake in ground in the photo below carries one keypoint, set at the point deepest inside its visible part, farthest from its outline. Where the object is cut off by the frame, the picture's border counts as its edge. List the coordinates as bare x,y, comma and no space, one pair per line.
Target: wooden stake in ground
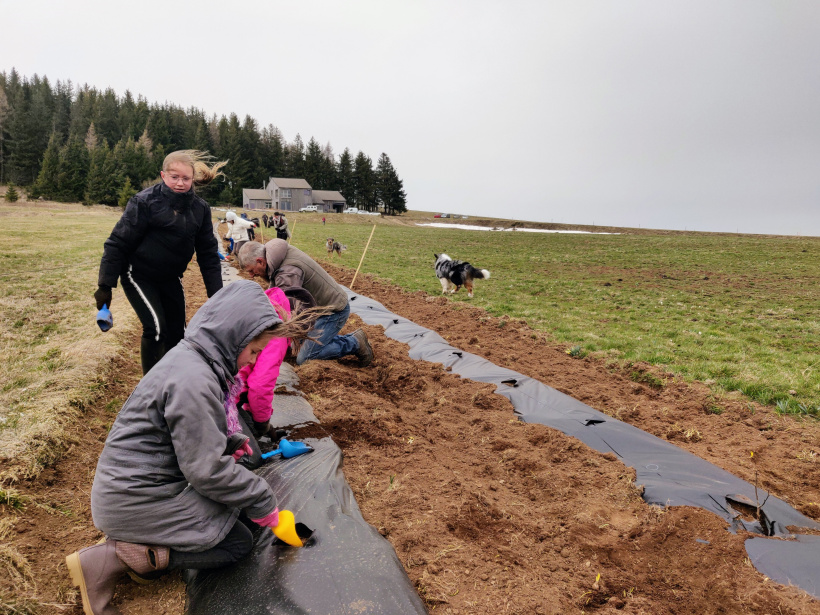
362,259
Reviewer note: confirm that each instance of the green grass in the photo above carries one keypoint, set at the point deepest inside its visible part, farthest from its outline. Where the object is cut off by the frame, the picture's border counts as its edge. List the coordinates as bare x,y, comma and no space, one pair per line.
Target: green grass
741,312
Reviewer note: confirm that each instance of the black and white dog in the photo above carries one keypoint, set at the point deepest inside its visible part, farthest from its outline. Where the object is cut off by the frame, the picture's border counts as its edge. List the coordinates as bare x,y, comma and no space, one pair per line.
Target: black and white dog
455,274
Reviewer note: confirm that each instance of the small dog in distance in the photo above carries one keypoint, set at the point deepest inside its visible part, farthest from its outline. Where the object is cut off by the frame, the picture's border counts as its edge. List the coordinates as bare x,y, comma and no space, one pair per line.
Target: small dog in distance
455,274
334,246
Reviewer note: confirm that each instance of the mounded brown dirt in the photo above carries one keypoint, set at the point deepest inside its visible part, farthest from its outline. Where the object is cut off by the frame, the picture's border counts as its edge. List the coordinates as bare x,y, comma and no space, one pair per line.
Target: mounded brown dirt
487,514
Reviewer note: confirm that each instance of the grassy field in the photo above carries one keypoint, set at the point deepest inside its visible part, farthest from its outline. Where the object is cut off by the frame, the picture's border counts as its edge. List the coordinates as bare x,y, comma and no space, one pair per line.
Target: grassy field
52,352
739,312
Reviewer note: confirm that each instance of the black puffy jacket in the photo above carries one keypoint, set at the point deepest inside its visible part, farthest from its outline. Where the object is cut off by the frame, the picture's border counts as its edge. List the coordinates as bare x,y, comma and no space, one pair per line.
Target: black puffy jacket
157,236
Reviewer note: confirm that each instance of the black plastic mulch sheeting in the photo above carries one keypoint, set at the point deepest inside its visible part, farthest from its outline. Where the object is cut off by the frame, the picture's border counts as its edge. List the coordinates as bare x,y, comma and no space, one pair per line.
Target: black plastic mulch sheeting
346,566
670,475
800,555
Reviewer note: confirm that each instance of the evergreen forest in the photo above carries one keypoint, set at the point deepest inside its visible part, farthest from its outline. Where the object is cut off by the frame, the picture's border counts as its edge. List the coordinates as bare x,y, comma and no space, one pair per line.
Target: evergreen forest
68,143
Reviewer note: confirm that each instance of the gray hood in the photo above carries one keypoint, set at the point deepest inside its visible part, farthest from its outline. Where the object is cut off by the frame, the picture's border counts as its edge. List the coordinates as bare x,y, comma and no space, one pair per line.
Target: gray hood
227,322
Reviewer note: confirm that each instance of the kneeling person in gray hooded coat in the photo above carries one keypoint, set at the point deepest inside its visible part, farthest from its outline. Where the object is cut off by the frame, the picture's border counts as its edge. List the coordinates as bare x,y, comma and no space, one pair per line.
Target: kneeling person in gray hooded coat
168,491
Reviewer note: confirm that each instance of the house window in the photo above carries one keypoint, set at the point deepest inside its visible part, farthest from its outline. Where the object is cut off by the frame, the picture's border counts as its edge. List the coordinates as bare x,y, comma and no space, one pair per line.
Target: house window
286,193
286,205
307,192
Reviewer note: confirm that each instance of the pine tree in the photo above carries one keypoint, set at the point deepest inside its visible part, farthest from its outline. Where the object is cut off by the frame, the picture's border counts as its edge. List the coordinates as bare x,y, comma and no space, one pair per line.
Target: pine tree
126,192
313,164
272,152
104,178
389,188
63,99
46,183
146,168
82,111
295,158
5,110
11,194
344,174
22,143
91,139
72,171
106,117
364,183
329,180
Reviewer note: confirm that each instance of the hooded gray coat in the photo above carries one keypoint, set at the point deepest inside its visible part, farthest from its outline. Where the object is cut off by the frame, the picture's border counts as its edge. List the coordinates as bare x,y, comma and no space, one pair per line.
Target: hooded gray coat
163,477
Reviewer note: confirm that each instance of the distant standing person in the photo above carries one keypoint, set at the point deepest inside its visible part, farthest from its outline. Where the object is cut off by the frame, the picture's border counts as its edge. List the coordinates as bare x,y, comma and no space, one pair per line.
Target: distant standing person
238,229
295,272
323,220
151,246
280,223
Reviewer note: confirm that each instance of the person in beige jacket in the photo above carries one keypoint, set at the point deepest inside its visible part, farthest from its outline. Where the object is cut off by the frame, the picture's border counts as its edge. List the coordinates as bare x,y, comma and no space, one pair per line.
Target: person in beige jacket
305,282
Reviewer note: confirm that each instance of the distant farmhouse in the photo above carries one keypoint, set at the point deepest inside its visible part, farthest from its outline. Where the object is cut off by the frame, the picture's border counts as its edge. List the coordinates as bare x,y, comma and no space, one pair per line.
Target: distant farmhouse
255,199
292,194
329,201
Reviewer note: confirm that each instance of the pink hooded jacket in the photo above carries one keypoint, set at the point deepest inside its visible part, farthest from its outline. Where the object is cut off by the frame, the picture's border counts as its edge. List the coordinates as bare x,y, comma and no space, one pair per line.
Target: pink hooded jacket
260,380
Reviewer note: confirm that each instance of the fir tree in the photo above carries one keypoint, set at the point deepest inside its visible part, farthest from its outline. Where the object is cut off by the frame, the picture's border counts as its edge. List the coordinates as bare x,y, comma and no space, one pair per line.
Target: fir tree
72,171
63,100
389,188
5,110
46,183
106,116
272,152
295,158
364,183
82,111
11,194
91,139
329,180
104,178
344,174
22,143
126,192
313,164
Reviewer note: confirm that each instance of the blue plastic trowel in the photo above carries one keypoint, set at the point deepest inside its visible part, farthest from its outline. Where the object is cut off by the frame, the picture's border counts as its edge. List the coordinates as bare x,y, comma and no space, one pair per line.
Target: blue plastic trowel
288,449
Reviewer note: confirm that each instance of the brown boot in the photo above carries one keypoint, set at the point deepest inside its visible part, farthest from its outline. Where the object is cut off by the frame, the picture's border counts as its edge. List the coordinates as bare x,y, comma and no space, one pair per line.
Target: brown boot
95,570
365,351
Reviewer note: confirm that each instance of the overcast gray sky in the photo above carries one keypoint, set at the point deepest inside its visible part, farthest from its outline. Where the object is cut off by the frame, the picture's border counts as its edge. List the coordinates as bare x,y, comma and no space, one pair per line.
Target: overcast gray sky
680,114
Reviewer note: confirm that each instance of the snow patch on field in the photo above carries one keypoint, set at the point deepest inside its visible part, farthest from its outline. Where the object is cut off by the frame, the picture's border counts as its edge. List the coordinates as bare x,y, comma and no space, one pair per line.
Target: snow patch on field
471,227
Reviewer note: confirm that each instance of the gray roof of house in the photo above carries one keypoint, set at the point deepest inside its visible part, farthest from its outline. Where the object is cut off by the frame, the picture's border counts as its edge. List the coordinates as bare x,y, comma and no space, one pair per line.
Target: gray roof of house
290,182
256,193
327,195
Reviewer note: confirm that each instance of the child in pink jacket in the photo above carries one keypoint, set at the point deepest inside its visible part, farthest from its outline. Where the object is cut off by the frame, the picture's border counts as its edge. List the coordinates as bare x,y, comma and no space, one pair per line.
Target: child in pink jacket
260,379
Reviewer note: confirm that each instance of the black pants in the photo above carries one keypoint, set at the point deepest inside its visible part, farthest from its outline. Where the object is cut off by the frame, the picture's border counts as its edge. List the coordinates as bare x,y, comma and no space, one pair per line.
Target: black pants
236,545
160,306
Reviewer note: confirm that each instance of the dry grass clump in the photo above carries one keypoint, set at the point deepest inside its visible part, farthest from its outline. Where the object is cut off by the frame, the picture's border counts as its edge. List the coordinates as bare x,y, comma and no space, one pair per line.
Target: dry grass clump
54,357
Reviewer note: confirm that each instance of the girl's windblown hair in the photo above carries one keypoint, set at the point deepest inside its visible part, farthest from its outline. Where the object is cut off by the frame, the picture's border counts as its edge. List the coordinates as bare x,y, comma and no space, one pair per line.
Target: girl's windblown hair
204,171
294,327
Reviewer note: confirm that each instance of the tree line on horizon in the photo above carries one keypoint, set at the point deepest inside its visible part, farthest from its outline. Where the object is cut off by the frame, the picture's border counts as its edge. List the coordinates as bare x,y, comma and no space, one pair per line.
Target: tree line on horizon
80,144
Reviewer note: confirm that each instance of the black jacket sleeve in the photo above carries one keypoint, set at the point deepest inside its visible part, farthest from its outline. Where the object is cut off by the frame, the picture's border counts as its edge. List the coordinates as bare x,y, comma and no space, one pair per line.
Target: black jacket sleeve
124,239
207,254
